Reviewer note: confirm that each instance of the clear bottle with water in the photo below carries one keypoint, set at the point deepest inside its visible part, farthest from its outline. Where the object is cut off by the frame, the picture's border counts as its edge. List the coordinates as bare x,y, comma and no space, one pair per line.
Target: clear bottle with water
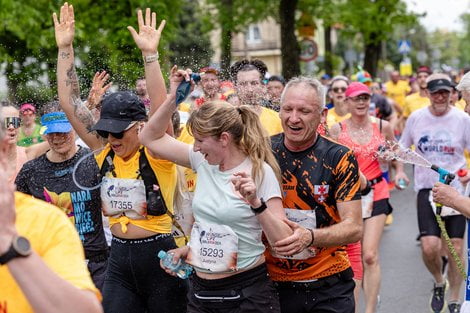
181,269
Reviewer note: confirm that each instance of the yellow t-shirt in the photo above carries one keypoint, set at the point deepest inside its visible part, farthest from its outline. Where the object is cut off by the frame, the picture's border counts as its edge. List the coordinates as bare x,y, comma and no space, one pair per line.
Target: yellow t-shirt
460,104
398,91
333,118
55,240
271,121
414,102
166,175
185,107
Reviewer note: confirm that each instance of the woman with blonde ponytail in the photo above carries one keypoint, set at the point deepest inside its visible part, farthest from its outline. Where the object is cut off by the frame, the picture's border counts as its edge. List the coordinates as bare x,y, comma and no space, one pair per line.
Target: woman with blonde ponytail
237,197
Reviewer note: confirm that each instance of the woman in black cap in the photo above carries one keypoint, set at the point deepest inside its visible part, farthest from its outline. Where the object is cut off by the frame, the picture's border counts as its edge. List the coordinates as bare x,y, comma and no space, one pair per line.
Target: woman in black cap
137,188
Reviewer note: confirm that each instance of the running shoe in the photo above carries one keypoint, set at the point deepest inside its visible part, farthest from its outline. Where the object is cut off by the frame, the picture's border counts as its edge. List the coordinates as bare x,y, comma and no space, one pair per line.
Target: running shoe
438,298
454,307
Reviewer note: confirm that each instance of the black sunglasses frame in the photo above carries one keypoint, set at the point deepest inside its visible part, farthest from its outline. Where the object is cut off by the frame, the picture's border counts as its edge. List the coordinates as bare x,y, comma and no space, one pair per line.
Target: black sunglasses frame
105,134
336,89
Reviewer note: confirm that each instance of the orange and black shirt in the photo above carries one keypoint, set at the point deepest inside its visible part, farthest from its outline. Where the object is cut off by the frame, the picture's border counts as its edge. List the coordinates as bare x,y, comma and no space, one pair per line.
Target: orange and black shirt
315,179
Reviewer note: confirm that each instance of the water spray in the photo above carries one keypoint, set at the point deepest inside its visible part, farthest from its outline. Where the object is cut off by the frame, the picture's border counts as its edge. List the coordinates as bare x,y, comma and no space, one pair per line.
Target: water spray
75,168
393,151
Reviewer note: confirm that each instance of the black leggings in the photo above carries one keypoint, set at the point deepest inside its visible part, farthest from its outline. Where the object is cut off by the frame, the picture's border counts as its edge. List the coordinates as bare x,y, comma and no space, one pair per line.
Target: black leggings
135,281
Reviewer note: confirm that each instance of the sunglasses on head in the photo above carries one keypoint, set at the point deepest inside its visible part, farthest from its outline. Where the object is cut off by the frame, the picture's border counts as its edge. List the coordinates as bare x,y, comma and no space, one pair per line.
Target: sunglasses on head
12,121
339,89
120,135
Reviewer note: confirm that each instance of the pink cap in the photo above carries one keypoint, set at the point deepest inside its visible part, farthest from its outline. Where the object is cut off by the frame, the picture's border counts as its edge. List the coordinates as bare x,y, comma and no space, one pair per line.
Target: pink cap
27,106
355,89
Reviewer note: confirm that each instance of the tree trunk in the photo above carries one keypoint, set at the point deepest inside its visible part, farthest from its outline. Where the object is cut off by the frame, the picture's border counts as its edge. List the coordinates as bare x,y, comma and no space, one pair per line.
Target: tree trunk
290,49
328,52
372,56
226,26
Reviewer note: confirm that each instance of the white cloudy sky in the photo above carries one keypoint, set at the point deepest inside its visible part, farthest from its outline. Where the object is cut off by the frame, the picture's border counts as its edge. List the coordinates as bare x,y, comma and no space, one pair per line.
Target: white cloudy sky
442,14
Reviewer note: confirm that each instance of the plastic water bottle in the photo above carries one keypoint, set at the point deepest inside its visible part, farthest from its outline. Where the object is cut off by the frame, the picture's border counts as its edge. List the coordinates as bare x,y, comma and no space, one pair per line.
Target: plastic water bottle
181,269
184,87
402,183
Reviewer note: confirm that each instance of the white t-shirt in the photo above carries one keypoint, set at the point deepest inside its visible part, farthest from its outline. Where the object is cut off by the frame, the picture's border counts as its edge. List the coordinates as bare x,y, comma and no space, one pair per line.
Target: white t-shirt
216,201
439,139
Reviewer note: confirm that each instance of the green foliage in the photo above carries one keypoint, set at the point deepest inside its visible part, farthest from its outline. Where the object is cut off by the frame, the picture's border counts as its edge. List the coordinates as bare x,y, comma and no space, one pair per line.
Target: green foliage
447,43
102,41
37,94
375,20
464,45
191,46
238,14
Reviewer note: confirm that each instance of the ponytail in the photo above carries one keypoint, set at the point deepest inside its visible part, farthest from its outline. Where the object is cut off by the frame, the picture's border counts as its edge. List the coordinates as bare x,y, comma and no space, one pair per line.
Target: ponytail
242,122
257,144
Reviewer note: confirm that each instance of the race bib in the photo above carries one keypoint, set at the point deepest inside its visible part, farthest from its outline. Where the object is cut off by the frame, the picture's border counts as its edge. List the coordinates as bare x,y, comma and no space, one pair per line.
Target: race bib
306,219
123,196
445,211
213,248
367,202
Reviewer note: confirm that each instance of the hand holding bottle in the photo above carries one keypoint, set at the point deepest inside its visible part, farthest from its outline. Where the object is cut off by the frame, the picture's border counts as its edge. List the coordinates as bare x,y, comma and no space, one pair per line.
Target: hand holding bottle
172,262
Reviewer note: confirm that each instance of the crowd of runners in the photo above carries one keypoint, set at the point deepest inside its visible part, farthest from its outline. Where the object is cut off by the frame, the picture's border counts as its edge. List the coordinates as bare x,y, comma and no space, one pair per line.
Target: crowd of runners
275,192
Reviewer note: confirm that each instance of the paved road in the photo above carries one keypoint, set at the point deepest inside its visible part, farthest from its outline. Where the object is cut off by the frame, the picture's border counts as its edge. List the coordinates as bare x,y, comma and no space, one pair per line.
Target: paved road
406,284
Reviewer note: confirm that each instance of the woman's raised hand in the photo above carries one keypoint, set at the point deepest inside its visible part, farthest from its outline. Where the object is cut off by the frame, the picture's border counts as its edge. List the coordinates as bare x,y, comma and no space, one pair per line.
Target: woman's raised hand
64,26
148,37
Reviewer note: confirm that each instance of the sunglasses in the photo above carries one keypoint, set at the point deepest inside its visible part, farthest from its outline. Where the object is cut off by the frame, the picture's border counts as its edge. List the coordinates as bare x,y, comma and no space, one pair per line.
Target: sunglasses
27,112
12,121
361,98
339,89
120,135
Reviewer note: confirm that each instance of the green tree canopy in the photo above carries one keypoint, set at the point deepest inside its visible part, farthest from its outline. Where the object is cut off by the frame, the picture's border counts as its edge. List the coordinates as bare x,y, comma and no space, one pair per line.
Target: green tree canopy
102,41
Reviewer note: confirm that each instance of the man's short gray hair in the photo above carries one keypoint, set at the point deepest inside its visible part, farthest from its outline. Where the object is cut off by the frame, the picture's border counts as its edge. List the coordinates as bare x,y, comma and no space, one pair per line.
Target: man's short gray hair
464,84
311,82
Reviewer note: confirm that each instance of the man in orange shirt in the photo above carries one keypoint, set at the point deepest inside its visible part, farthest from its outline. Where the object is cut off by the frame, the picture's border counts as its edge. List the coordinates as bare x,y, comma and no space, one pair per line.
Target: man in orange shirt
322,201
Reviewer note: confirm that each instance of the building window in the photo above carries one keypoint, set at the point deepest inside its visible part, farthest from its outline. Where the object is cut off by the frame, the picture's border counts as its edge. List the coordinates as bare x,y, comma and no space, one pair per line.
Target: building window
253,34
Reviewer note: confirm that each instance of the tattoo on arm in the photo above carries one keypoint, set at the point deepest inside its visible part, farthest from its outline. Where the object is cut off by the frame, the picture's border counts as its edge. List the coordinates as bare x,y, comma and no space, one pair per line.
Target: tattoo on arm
72,80
83,114
65,55
80,110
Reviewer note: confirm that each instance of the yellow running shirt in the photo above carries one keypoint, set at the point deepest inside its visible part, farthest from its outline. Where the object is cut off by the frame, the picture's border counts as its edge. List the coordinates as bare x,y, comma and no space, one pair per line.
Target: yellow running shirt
398,91
414,102
166,175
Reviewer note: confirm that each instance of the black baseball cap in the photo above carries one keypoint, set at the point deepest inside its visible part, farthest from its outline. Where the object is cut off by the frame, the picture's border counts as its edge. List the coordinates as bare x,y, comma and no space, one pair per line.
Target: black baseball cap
439,84
119,110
